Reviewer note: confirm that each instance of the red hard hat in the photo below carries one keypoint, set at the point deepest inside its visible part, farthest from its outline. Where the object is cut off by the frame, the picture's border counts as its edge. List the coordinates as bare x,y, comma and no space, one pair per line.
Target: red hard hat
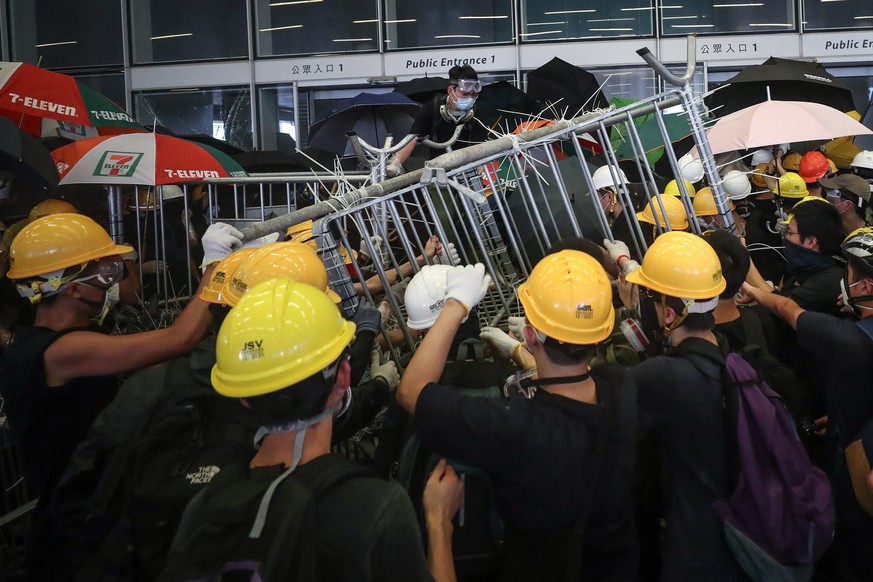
813,165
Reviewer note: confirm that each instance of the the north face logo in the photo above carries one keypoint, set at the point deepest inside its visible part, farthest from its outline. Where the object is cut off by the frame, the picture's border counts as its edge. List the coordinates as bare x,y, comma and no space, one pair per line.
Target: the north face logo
203,475
120,164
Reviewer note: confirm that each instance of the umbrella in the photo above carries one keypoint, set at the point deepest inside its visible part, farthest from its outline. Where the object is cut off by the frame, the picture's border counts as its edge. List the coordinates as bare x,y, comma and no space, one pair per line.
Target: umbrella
422,89
266,161
773,122
214,142
568,89
372,116
145,159
652,140
504,101
26,158
786,80
28,95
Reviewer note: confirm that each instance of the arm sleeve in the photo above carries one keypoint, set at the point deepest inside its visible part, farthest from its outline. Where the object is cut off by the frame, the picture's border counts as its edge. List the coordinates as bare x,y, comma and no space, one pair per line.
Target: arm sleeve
360,355
396,549
367,400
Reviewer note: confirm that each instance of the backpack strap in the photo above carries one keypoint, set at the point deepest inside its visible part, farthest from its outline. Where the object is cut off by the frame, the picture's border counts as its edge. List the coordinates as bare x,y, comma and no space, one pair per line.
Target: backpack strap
756,343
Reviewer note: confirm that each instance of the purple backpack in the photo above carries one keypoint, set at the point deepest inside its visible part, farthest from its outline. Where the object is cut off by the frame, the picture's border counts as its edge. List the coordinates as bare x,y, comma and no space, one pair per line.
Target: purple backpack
780,517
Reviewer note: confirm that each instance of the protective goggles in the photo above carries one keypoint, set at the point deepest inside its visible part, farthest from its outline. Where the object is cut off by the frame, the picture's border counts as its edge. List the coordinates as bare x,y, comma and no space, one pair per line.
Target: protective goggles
468,87
106,271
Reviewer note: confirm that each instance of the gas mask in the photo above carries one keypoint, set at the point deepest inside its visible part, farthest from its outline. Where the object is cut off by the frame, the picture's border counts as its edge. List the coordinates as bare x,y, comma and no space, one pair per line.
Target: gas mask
526,382
645,333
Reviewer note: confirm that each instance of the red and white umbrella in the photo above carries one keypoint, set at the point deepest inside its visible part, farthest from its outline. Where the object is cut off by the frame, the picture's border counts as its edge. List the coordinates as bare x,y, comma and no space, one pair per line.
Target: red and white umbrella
775,122
143,159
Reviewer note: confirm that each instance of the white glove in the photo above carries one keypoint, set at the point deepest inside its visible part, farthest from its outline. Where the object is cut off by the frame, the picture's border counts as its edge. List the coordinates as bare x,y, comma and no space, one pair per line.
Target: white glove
467,285
616,250
450,255
219,240
394,168
516,326
629,266
501,344
387,371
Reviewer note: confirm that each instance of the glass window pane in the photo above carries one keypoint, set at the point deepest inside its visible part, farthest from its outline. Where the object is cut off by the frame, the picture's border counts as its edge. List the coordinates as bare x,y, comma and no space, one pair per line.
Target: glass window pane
58,33
551,20
193,30
224,113
278,130
417,24
111,86
820,14
315,26
728,16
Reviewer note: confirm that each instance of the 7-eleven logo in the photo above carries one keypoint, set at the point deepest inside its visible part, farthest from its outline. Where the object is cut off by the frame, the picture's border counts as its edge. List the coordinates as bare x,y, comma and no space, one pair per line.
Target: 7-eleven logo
120,164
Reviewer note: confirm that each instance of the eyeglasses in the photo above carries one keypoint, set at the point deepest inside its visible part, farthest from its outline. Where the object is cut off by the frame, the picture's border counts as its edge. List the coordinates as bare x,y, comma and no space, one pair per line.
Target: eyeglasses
789,232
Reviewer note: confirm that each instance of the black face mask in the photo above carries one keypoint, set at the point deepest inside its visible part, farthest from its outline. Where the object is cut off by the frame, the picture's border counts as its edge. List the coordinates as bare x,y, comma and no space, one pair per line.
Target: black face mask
803,261
652,329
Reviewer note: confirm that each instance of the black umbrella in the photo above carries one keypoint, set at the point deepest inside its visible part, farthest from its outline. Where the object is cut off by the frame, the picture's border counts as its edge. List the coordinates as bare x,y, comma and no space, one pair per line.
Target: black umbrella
27,159
372,116
277,161
422,89
503,105
786,80
218,144
565,87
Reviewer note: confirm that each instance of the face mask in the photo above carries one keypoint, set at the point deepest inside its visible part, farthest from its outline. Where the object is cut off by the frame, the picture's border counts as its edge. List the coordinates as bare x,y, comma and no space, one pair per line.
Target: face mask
645,335
110,298
802,260
464,103
848,299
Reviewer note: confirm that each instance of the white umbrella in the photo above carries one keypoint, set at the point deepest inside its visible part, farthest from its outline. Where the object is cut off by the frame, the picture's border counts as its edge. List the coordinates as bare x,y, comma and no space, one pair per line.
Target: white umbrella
774,122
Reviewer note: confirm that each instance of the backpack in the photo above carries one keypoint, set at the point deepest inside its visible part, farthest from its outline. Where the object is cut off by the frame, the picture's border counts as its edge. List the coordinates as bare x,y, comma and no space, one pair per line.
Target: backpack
477,539
188,436
779,519
259,530
860,451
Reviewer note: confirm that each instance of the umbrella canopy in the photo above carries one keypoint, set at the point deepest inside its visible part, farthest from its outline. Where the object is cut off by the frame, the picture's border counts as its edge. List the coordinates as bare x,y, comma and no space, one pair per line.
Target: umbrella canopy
266,161
144,159
214,142
29,95
787,80
568,89
774,122
504,105
372,116
652,140
26,157
422,89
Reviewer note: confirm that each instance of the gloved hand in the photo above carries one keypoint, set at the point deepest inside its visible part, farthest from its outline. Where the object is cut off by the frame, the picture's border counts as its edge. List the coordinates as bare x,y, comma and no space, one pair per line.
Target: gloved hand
449,255
467,285
220,240
387,371
394,168
385,310
367,317
516,326
630,265
617,250
501,344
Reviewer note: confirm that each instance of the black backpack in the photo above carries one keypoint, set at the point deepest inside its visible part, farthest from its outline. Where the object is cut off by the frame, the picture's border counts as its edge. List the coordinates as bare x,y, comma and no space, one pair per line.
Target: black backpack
173,450
477,539
257,529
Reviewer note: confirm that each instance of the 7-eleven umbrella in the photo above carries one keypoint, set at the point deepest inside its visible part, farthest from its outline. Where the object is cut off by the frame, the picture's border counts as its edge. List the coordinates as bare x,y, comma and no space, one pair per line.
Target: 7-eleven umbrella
30,94
144,159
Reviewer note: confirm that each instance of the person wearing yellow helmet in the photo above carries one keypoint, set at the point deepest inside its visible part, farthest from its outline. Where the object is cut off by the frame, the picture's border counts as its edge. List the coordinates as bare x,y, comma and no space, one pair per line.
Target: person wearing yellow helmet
837,351
522,443
56,376
659,212
681,396
283,351
707,211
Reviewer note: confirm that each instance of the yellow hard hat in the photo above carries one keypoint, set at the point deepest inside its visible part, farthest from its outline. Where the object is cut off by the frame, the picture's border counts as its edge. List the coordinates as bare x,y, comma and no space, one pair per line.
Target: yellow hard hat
300,227
58,241
803,200
791,162
675,213
672,188
791,185
280,333
223,271
680,264
282,259
10,233
568,297
304,236
51,206
704,203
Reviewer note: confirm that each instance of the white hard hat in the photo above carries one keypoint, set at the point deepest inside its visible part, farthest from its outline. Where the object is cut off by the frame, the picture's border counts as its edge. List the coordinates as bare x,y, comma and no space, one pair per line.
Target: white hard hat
736,185
863,159
603,178
691,168
425,296
761,156
171,191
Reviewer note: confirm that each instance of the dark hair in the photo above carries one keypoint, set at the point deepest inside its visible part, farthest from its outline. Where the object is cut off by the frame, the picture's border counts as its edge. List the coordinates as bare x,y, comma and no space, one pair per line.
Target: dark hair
564,354
821,221
578,243
457,73
862,268
695,322
734,259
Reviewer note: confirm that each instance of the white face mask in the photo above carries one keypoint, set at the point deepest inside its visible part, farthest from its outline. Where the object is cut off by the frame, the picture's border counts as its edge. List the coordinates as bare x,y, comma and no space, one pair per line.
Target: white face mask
110,297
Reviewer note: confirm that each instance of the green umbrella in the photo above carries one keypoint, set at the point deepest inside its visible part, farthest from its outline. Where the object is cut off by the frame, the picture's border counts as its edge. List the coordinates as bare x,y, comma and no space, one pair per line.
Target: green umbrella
677,127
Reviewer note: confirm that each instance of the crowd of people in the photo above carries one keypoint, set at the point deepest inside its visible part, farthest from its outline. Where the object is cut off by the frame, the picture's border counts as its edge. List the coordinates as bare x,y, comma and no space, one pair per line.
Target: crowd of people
599,468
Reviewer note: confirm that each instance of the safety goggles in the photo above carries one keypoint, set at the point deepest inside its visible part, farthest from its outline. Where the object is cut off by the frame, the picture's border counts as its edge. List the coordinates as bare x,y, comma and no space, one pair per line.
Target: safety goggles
468,87
105,271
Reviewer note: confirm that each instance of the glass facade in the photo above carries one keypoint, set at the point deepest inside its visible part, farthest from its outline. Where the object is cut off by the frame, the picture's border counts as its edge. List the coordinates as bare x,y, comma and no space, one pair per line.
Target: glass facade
554,20
416,24
837,14
728,16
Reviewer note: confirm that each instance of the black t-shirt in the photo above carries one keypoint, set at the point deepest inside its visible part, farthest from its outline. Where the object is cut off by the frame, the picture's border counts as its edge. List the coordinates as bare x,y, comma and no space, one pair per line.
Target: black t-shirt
48,422
769,262
681,402
817,291
735,332
843,355
429,123
539,455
